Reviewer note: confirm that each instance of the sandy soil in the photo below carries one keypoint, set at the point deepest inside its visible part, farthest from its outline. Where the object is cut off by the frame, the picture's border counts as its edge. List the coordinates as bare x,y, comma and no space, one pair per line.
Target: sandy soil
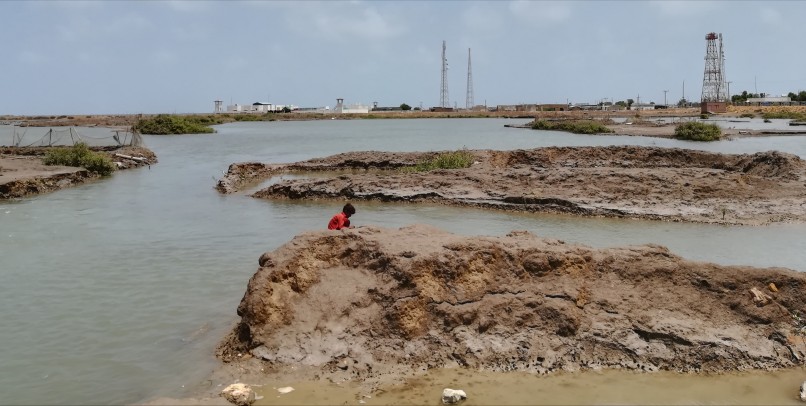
668,184
375,306
22,172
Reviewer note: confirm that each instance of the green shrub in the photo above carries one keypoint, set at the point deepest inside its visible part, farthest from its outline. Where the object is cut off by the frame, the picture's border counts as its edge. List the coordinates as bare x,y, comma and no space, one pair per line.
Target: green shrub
696,131
445,160
79,155
576,127
747,115
170,124
705,116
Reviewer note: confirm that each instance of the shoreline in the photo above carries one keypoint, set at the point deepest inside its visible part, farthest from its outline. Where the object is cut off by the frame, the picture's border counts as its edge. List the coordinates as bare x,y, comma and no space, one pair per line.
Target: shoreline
378,308
127,120
22,173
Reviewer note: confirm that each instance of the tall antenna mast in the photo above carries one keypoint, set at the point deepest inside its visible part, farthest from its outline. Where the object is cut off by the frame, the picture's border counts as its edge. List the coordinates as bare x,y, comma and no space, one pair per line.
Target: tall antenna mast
444,100
469,99
725,87
713,81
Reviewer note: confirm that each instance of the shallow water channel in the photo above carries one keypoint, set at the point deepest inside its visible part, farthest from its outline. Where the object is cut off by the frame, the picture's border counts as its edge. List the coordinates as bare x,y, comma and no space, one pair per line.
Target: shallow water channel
117,291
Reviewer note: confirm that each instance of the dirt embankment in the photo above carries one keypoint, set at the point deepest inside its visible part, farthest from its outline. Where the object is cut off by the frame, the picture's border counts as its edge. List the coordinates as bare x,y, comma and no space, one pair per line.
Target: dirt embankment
376,305
22,172
621,181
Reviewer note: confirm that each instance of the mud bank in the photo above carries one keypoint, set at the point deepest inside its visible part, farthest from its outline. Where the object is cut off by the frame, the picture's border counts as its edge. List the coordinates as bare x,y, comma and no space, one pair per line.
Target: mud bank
654,183
376,306
22,172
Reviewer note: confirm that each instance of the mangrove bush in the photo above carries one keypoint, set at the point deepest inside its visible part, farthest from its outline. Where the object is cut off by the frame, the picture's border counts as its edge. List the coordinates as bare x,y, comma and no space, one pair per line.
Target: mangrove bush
576,127
696,131
164,124
80,155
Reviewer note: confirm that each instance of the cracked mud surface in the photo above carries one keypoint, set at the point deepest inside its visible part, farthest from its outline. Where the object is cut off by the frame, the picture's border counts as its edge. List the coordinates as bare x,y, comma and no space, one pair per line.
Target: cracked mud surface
379,305
622,181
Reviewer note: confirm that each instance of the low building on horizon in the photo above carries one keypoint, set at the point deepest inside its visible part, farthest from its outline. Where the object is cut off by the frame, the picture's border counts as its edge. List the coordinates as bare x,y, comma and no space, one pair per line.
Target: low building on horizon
357,108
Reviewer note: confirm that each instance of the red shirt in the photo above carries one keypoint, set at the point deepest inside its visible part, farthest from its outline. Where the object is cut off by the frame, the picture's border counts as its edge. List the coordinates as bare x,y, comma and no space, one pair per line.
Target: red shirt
338,222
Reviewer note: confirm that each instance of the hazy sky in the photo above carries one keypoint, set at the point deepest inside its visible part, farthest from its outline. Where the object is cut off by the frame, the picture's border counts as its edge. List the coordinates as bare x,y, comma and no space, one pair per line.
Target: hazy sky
96,57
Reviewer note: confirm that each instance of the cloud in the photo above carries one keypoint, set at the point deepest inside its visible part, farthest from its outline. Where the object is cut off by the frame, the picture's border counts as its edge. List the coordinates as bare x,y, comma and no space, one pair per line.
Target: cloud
186,6
31,58
483,19
163,57
74,29
771,17
342,22
74,4
541,11
678,8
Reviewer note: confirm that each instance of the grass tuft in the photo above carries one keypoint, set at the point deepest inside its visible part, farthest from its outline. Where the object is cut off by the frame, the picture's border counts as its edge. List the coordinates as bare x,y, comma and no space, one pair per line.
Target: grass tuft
444,160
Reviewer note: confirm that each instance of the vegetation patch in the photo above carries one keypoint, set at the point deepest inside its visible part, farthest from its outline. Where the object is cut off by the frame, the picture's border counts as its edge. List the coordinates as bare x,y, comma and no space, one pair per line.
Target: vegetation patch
80,155
572,126
747,115
784,114
696,131
444,160
164,124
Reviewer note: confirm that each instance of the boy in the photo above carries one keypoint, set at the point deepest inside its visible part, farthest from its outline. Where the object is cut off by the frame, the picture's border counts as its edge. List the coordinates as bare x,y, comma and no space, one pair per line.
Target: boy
342,220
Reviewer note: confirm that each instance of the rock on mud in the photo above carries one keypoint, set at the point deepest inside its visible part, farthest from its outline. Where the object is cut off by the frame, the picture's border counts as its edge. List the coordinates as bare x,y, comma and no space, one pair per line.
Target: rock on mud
450,396
239,394
517,302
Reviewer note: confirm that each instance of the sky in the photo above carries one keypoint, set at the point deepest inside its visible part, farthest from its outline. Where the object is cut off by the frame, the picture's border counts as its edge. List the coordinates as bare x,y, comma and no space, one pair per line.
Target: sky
160,56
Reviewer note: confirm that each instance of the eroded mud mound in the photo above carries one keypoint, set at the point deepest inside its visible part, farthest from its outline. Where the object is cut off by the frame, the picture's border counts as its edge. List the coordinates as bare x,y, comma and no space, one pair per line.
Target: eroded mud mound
622,181
373,302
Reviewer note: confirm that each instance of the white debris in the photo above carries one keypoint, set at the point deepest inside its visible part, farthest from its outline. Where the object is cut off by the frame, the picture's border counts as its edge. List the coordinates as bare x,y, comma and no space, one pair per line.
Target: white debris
285,389
803,391
453,395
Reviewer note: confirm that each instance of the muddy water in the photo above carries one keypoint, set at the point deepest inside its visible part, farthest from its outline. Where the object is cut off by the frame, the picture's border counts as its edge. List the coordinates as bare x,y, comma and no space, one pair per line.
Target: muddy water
586,388
117,291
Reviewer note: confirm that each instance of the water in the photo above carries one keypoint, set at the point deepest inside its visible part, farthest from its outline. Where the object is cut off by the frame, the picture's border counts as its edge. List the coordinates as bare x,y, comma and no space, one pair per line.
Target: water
118,290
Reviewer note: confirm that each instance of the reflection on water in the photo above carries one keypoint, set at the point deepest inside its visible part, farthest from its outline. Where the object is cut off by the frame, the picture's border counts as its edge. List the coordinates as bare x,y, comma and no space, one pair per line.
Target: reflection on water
118,290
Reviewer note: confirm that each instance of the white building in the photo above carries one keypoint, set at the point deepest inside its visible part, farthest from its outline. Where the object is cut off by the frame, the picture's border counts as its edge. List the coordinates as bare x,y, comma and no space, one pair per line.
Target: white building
259,107
351,109
642,106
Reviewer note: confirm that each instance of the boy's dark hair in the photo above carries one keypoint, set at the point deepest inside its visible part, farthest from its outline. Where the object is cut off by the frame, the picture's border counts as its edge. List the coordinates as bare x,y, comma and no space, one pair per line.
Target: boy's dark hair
348,209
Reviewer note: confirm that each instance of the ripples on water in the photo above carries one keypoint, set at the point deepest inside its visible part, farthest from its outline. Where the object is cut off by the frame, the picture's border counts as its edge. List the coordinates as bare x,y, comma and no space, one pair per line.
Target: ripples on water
118,290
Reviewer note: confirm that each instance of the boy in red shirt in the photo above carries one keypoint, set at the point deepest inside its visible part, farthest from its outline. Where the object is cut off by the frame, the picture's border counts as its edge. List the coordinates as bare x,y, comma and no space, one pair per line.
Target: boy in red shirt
342,220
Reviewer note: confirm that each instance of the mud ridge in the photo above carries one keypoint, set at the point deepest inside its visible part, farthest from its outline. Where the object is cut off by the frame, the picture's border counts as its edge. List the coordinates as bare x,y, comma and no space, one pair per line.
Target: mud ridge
378,305
669,184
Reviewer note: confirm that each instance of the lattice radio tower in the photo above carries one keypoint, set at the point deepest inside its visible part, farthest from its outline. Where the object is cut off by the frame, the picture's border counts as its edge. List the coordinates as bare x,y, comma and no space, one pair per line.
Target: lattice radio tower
714,87
469,99
444,100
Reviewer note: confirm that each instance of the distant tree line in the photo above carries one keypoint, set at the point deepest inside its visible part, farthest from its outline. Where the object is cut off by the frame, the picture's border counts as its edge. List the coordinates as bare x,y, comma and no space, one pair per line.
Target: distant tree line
741,98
